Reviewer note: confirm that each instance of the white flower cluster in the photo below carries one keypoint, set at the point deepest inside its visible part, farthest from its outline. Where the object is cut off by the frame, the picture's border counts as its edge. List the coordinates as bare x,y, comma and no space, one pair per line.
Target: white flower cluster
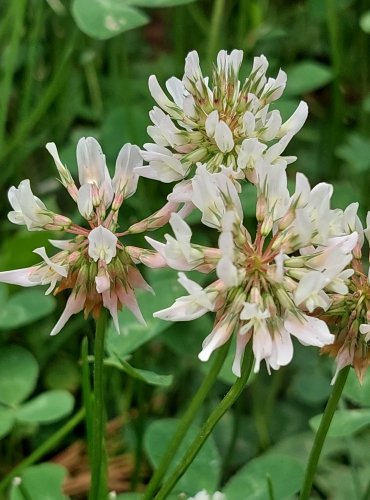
301,265
297,268
226,123
266,287
95,265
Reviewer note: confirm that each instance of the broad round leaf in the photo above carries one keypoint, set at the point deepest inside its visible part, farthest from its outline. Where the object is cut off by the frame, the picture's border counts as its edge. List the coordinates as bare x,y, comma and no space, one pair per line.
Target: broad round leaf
307,76
344,423
42,481
284,472
151,378
6,421
46,408
26,307
205,470
356,392
103,19
18,374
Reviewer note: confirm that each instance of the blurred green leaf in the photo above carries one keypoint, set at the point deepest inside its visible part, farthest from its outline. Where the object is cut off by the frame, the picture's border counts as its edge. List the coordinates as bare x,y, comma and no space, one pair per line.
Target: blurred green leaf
356,152
345,422
103,19
146,376
62,373
356,392
158,3
25,307
365,22
133,333
366,104
285,472
311,387
18,374
42,481
17,250
204,471
6,421
46,408
306,77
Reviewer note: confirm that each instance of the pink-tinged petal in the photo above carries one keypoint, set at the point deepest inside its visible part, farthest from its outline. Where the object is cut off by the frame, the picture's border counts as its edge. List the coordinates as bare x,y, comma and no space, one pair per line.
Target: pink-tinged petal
75,304
19,277
102,283
136,280
218,337
110,302
309,330
149,258
128,299
241,342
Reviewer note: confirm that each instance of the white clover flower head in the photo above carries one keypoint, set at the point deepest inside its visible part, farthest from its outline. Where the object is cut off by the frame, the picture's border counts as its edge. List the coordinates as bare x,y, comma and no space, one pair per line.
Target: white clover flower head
222,122
349,312
94,264
266,286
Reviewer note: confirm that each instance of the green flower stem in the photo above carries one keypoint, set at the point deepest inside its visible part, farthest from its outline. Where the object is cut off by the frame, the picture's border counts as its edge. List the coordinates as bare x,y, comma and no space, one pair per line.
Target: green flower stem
45,448
208,427
87,395
98,452
214,35
186,421
322,432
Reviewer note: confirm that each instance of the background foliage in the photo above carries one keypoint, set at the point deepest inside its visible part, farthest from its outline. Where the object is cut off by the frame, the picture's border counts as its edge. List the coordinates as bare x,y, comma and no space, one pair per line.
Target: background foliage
75,68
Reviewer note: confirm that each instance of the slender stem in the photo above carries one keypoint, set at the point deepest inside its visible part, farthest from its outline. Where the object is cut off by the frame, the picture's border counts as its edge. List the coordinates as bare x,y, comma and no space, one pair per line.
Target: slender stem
87,395
214,35
45,448
208,427
322,432
186,421
98,422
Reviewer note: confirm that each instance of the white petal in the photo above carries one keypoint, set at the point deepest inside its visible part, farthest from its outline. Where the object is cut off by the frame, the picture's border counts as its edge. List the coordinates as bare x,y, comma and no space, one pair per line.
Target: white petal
62,270
19,277
211,123
90,161
125,178
309,330
85,201
102,244
224,137
296,121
